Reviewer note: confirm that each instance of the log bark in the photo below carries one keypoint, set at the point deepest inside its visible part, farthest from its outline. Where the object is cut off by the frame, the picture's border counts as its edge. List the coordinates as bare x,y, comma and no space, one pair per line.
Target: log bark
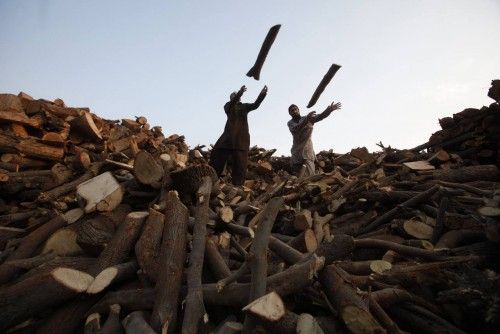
322,85
34,295
122,242
401,249
92,324
147,170
264,50
215,261
134,323
147,247
85,125
112,324
172,256
351,308
195,309
468,174
258,256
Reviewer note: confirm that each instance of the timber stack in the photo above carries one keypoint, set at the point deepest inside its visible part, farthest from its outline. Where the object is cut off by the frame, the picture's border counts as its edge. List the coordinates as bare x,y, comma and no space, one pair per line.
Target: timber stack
112,227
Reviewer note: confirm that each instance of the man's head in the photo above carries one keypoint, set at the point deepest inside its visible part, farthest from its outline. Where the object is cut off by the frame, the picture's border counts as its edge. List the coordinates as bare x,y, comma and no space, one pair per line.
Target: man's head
294,111
494,91
233,94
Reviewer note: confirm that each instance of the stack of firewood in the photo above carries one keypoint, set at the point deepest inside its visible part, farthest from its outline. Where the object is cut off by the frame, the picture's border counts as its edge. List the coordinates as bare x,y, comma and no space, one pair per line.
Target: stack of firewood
112,227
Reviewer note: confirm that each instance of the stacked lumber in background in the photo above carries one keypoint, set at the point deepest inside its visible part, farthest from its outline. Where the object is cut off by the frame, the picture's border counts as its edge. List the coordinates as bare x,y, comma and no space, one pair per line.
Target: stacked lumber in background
112,227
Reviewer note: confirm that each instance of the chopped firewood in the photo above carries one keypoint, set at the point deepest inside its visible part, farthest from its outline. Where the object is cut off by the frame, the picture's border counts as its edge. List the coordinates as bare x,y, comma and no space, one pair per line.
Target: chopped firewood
146,169
114,274
86,126
92,324
101,193
147,247
135,323
264,50
269,307
112,324
322,85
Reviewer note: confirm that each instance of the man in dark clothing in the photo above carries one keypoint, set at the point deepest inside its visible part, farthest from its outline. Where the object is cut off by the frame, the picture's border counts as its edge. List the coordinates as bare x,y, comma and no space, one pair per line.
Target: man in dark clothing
235,140
494,91
301,127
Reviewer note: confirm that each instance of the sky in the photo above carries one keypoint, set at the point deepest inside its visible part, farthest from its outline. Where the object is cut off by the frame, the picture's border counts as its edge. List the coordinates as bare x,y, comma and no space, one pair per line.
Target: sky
405,64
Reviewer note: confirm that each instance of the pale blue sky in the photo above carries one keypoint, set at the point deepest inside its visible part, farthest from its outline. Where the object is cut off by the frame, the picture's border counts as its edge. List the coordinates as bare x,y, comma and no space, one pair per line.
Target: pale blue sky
404,63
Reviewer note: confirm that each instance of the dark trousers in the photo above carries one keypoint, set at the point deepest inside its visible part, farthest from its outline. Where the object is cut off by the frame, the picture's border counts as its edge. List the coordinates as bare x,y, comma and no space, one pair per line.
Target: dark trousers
239,159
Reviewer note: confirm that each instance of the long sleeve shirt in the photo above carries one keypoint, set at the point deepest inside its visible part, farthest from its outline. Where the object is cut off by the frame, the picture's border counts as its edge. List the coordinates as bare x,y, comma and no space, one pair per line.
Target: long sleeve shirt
301,129
236,135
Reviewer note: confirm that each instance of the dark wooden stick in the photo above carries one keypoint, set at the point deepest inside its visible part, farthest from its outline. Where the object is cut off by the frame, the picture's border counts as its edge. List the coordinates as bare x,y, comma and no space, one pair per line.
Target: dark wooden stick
172,257
322,85
112,275
264,50
134,323
401,249
195,309
216,262
147,247
386,217
385,320
112,324
438,229
258,256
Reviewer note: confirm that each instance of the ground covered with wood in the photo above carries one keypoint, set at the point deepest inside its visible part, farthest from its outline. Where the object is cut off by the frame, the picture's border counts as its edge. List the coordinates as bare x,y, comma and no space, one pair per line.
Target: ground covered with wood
113,227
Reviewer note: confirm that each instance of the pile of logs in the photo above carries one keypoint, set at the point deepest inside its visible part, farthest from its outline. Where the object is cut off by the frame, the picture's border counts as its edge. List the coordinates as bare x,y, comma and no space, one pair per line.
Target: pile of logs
112,227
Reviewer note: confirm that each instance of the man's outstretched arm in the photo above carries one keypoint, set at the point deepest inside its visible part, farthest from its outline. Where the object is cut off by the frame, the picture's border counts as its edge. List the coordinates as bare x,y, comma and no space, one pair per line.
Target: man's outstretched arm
236,98
332,107
258,101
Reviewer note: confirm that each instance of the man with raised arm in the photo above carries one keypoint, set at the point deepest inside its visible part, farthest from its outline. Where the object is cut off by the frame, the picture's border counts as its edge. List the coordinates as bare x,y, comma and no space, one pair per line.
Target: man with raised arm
301,127
234,142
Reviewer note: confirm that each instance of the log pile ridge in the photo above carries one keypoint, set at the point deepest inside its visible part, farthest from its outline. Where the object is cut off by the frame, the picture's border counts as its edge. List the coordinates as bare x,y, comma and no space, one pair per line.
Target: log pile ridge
110,226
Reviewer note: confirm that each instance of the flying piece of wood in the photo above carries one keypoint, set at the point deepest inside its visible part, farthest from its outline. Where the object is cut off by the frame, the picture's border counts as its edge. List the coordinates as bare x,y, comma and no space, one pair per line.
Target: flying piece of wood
322,85
264,50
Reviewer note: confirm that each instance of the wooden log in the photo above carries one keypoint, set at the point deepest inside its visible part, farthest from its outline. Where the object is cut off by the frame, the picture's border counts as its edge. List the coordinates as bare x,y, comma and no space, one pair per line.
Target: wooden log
195,309
303,220
135,323
468,174
23,162
101,193
339,247
112,324
147,247
146,169
258,256
112,275
288,282
305,242
456,238
34,295
215,261
63,243
77,263
264,50
85,125
53,194
28,246
172,257
385,320
92,324
18,118
269,307
401,249
122,242
322,85
30,147
351,308
229,327
438,229
393,212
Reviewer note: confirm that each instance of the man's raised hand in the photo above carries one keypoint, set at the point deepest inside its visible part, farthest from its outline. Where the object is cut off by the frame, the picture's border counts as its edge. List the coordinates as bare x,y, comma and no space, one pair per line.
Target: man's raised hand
334,106
243,89
311,115
264,90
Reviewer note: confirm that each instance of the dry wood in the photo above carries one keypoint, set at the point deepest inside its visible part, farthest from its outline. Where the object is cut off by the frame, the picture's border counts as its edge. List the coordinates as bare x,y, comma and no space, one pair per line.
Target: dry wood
147,247
34,295
135,323
112,324
258,255
322,85
85,125
172,257
112,275
101,193
63,243
92,324
215,261
147,170
352,309
305,242
401,249
122,242
264,50
468,174
195,309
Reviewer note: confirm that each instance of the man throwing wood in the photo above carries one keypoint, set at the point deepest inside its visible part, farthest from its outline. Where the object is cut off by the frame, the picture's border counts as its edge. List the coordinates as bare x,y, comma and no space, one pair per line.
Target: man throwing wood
301,127
234,142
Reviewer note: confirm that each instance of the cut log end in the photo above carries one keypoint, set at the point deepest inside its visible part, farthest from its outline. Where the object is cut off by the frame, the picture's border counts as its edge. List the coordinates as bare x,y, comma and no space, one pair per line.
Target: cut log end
72,279
359,320
102,281
269,307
